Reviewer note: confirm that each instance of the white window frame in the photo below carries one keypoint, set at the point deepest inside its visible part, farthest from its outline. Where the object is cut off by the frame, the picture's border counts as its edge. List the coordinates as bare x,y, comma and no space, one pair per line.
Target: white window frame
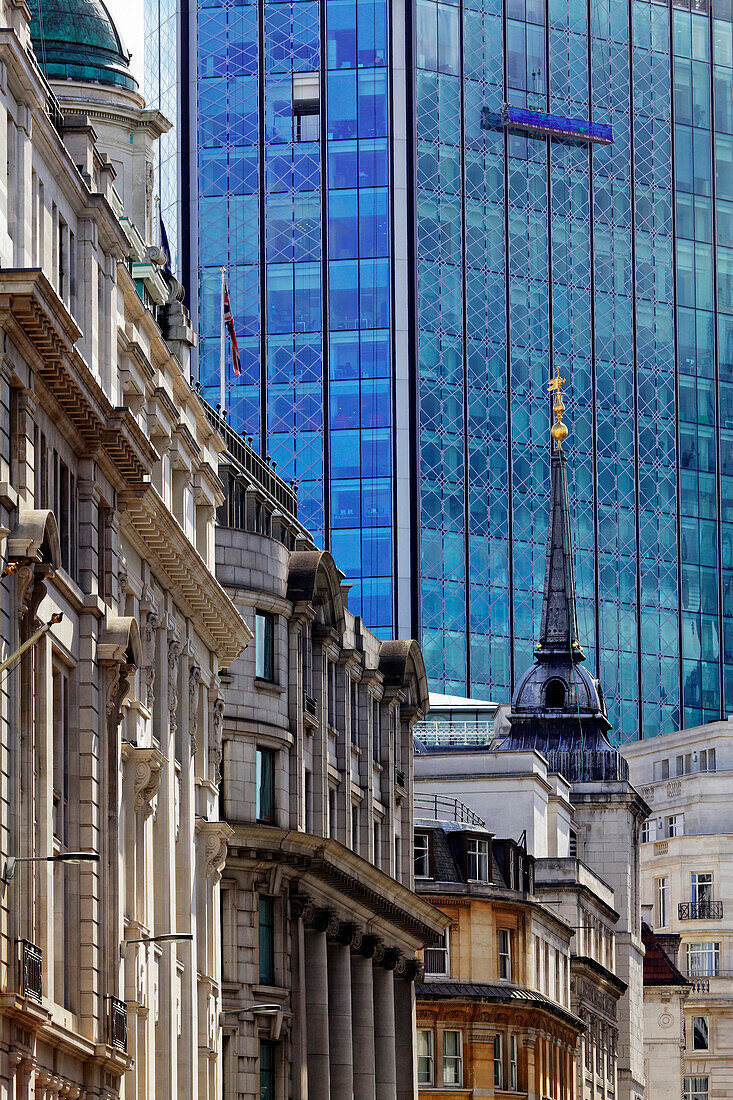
505,955
707,948
498,1061
513,1064
428,1057
705,880
455,1061
675,825
478,859
707,1033
662,901
424,854
440,953
695,1088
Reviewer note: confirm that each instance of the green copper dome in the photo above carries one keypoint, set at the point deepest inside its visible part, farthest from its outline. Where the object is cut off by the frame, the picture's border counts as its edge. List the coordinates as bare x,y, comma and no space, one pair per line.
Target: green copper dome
77,40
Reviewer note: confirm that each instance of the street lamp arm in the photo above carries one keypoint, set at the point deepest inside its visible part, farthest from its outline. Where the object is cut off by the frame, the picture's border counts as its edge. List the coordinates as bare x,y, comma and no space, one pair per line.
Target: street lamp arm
35,637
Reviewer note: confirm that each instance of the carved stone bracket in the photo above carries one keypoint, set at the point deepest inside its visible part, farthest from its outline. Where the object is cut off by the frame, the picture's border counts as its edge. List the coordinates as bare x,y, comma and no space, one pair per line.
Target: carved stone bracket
34,553
147,763
119,652
217,727
215,835
122,580
150,624
174,652
194,684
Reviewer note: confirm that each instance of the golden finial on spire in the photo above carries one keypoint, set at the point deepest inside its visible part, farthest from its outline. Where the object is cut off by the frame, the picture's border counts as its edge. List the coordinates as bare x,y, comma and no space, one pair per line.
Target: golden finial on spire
558,431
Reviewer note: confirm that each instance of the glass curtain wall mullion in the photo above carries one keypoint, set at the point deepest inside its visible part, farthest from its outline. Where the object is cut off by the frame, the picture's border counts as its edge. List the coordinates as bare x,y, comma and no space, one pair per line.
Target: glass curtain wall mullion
441,347
678,495
485,452
716,347
635,338
264,432
464,322
723,116
325,377
529,300
508,323
698,315
360,321
569,278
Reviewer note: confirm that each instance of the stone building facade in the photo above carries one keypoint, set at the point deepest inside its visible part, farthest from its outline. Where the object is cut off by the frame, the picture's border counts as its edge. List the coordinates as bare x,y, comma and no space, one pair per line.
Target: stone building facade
494,1011
665,993
687,887
320,924
110,727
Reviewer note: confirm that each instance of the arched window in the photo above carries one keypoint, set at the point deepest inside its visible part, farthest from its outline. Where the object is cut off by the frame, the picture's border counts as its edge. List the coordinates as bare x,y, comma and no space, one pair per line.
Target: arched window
555,694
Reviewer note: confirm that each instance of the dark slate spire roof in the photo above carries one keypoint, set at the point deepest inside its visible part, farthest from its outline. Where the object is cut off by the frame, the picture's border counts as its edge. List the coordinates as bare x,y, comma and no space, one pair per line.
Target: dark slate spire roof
78,40
559,626
558,706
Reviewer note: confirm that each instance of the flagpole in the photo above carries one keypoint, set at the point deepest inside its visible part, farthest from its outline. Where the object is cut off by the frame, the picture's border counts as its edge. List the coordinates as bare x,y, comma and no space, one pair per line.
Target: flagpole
222,348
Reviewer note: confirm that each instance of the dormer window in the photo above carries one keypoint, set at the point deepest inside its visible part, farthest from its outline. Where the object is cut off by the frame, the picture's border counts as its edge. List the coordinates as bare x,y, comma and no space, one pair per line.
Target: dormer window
477,860
422,855
555,695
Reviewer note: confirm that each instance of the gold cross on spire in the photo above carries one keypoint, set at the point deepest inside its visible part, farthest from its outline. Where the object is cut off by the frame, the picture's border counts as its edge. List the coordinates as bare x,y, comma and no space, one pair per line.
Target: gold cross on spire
558,431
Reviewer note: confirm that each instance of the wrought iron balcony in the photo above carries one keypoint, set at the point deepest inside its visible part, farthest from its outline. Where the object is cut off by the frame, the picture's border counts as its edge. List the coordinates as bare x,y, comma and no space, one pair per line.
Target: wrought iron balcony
31,970
118,1023
702,910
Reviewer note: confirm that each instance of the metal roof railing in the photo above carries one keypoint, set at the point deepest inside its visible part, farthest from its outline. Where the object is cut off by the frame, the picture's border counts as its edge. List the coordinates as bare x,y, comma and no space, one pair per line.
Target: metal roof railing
439,807
258,469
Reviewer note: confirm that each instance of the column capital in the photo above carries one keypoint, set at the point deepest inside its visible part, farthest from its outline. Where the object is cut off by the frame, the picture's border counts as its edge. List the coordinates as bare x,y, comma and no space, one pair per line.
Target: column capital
302,907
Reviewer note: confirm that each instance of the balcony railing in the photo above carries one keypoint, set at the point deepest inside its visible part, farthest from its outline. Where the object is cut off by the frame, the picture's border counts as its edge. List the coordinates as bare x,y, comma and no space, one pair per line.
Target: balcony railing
31,970
701,910
118,1023
441,808
454,733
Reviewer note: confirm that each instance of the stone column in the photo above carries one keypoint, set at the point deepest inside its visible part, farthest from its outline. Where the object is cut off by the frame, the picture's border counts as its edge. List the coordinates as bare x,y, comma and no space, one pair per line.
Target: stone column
405,1029
384,1034
339,1022
316,964
362,1009
531,1065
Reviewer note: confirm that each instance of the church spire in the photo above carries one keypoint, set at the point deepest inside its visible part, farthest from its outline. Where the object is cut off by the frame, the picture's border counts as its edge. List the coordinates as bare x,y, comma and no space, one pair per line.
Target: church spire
558,708
559,626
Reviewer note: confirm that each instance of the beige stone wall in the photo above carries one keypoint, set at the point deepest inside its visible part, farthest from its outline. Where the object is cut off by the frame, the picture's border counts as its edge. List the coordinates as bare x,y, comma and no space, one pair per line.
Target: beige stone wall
110,731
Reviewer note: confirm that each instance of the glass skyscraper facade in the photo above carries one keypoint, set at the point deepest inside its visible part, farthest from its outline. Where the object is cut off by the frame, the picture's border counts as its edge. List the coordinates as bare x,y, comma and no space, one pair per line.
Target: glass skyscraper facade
406,268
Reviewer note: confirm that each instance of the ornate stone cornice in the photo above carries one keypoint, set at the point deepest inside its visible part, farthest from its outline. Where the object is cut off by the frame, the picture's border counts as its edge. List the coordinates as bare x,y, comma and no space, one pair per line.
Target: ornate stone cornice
159,537
34,315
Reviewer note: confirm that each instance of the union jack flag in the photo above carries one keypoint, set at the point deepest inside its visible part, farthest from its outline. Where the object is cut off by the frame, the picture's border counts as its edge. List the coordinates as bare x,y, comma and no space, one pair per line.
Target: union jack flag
229,325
